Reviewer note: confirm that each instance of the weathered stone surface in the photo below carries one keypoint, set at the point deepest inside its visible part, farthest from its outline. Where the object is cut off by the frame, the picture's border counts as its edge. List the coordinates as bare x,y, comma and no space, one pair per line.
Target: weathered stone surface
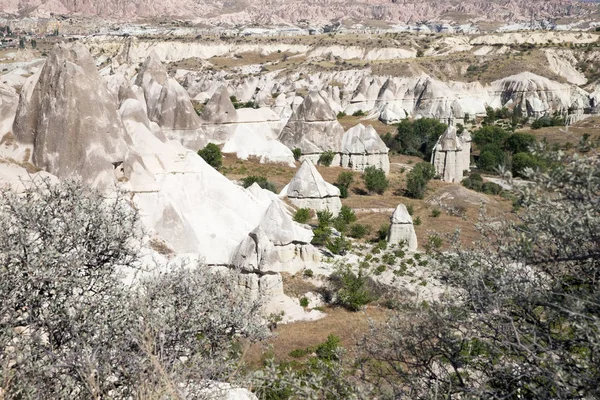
9,101
219,108
402,229
313,127
452,155
277,244
308,189
169,105
71,119
362,147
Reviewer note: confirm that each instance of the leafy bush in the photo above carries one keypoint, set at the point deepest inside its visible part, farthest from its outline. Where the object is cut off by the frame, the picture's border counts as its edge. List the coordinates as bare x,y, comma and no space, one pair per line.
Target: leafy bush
359,231
520,142
474,182
435,213
359,113
382,232
490,135
417,179
308,273
546,121
347,215
417,221
326,158
375,180
343,182
304,302
325,217
490,158
328,350
261,181
302,215
212,155
410,209
338,245
297,153
418,137
341,114
353,290
491,188
521,161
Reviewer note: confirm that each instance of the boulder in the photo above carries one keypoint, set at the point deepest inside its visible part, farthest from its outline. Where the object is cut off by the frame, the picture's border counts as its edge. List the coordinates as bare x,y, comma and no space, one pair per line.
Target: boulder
313,128
70,119
308,189
362,147
402,229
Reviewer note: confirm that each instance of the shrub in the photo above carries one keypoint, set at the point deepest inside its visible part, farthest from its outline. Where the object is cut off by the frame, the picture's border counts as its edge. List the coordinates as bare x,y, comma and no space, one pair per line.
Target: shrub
417,138
417,179
261,181
521,161
343,182
435,213
347,215
353,290
490,135
341,114
490,158
325,217
382,232
304,302
474,182
308,273
297,153
212,155
326,158
302,215
321,235
491,188
88,333
359,231
338,245
520,142
359,113
410,209
328,350
417,221
375,180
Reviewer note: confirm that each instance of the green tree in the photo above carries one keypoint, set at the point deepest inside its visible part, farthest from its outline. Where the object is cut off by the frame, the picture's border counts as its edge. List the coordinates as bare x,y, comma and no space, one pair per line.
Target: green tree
419,137
519,142
417,179
261,181
490,158
211,153
343,182
375,180
521,161
490,135
326,158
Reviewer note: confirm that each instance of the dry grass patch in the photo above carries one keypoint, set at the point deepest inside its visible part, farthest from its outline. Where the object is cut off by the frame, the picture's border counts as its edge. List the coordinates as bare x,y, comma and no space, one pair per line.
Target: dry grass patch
348,326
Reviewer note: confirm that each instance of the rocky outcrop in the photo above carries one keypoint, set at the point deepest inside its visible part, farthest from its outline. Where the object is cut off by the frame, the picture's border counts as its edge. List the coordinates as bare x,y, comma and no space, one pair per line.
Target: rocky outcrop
452,155
362,147
169,104
308,189
9,101
219,108
313,128
402,229
277,244
70,119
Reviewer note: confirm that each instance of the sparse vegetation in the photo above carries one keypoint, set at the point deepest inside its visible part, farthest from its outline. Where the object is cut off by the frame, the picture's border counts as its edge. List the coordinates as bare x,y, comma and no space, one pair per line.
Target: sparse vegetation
302,215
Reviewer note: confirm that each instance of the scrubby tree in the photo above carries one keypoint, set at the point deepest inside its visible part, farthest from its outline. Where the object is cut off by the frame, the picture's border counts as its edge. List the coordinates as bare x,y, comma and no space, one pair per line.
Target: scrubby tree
520,142
491,157
375,180
418,137
71,326
417,179
343,182
522,317
326,158
260,180
211,153
490,135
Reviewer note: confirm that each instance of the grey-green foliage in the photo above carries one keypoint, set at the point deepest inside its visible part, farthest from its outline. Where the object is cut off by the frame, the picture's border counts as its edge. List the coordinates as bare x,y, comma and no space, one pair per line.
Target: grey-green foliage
375,180
524,319
70,327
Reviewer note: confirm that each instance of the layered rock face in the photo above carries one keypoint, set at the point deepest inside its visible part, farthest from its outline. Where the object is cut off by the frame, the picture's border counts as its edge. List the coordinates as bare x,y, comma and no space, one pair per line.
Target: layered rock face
402,229
70,119
308,189
169,104
277,244
9,101
313,128
362,147
452,155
